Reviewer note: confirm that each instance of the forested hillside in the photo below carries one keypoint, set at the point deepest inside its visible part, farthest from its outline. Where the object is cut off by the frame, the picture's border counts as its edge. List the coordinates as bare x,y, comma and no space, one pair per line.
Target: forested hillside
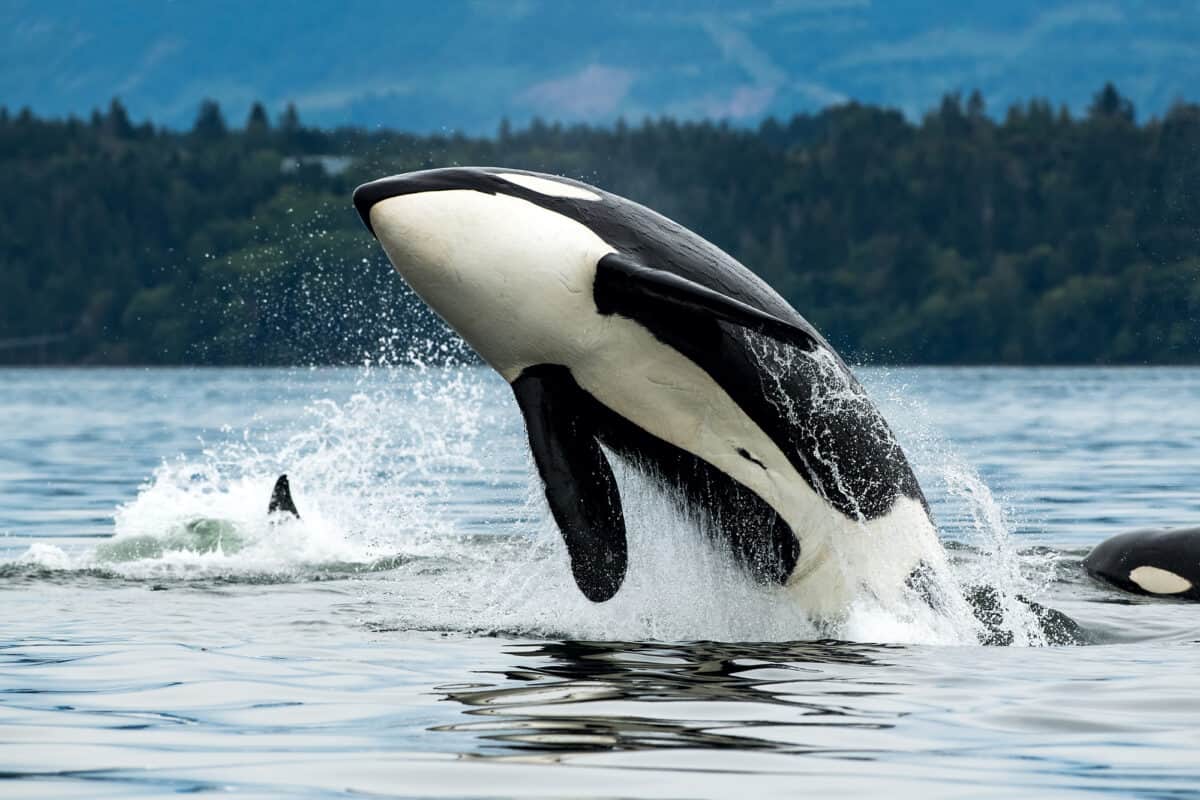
1038,238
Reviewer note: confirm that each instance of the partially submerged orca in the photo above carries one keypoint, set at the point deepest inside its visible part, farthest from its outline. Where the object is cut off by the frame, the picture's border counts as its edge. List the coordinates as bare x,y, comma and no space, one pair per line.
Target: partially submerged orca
618,328
199,534
281,498
1161,563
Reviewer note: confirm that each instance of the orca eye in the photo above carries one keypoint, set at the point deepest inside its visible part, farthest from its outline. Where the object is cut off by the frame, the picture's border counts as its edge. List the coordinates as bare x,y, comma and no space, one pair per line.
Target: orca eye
550,188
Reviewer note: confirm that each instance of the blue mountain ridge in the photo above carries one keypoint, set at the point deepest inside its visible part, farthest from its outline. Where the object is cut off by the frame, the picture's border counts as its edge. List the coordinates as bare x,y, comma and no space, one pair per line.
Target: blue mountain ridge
464,66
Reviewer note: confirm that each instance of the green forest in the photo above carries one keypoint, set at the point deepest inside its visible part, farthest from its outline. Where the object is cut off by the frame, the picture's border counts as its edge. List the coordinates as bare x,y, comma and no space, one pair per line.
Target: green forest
1027,236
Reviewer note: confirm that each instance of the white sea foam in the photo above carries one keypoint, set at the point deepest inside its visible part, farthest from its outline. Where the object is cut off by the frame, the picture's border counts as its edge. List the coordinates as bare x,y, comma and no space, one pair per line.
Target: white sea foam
45,556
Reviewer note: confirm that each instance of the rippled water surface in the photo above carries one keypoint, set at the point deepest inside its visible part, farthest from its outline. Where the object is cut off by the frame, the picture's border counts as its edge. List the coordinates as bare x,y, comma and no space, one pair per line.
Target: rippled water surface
417,633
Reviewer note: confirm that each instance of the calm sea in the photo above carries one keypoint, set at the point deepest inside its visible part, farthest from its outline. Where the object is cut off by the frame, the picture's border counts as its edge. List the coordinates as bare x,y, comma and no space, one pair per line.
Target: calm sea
416,633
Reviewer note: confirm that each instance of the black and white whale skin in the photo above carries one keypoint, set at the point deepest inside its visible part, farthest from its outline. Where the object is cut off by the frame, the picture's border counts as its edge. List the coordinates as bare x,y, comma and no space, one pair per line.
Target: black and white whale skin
616,326
1161,563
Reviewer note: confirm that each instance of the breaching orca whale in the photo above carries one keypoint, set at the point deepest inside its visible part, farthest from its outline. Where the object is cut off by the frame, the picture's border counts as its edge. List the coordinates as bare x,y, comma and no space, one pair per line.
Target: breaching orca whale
1162,563
616,326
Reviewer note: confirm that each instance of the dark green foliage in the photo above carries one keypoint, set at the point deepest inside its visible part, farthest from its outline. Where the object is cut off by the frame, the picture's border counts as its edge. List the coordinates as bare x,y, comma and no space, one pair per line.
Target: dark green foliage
210,124
1041,239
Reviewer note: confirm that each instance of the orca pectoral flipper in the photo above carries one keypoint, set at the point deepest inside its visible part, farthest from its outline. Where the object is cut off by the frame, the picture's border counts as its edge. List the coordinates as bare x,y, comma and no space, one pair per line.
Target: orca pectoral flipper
623,285
281,498
579,482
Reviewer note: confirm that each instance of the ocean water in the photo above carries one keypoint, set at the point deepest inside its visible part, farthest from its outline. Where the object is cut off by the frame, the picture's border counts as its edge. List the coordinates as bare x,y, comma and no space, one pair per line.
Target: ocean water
417,633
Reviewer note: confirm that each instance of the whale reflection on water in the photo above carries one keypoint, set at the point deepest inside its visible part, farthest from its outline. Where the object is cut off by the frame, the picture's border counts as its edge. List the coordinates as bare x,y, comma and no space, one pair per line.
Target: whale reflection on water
588,697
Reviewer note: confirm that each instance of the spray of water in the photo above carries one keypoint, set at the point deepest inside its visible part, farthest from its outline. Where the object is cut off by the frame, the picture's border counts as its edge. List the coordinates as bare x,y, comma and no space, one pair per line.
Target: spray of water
986,555
421,477
992,573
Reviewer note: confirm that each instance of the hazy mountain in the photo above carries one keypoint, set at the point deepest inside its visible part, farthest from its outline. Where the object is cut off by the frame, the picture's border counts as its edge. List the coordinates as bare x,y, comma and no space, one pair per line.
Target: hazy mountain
465,65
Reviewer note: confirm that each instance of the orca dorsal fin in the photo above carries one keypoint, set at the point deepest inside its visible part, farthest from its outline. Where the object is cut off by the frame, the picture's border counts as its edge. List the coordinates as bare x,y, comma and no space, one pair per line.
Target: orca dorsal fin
623,285
281,498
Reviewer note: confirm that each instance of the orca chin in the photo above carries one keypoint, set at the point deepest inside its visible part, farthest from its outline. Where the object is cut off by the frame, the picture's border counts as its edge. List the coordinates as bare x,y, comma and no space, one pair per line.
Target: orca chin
1156,563
621,330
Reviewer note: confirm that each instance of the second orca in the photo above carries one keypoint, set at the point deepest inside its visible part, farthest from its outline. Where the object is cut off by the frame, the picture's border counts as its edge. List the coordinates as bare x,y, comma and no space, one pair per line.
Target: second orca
1158,563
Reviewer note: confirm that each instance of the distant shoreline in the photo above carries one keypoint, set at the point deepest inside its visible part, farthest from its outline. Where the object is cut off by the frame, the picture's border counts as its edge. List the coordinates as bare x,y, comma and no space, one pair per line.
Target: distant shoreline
1037,238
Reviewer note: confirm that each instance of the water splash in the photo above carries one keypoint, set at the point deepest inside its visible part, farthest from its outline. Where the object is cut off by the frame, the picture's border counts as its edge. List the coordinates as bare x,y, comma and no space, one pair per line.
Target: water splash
986,556
420,476
996,578
678,586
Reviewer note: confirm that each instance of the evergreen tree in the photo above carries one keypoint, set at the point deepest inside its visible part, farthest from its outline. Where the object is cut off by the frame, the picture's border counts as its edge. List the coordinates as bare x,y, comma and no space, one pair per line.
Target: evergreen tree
210,123
116,122
257,123
1108,102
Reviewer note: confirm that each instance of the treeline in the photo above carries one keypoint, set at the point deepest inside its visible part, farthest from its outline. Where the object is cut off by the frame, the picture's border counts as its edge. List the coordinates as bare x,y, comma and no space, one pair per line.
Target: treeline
1039,238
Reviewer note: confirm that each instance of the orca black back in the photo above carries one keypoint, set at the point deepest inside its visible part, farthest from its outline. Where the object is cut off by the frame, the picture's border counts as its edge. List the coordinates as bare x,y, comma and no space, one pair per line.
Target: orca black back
1158,563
